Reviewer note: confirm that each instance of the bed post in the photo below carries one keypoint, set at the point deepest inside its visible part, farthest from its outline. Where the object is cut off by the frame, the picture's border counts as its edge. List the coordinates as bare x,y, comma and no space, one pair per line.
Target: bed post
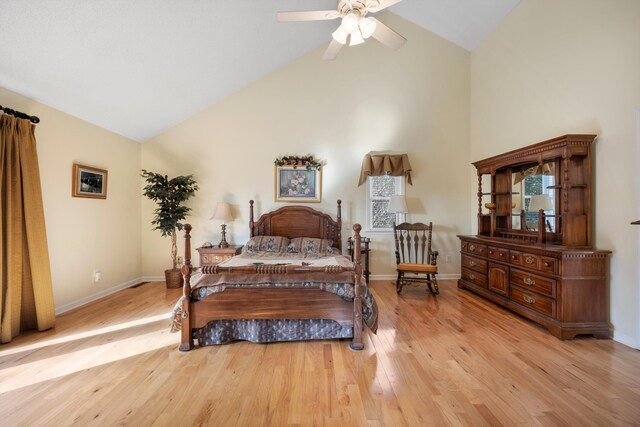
251,218
186,334
357,344
339,220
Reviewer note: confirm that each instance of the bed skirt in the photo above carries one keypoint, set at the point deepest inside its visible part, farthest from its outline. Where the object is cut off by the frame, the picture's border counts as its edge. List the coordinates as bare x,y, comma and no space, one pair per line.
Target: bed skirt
263,331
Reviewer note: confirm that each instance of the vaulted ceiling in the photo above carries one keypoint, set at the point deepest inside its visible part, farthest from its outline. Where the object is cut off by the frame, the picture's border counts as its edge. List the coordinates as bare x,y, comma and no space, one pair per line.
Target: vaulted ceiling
139,67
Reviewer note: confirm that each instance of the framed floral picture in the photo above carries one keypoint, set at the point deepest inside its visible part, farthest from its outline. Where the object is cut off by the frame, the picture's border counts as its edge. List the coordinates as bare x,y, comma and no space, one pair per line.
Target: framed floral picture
89,182
298,184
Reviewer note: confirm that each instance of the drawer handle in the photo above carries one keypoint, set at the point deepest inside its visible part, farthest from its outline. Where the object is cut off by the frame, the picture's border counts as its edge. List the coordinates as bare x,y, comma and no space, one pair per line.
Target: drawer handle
528,299
513,257
501,254
472,276
490,252
529,281
472,263
546,264
472,247
529,260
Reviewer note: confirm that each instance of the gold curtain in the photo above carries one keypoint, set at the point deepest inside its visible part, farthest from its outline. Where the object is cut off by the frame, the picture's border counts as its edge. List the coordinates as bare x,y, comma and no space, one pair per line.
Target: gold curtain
385,164
26,301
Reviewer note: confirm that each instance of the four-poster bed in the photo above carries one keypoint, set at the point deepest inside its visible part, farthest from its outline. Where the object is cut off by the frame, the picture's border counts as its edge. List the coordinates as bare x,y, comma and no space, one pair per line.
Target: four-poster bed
290,283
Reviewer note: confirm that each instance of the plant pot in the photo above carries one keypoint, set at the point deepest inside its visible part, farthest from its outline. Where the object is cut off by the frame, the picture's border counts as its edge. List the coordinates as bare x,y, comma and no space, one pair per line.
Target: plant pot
173,278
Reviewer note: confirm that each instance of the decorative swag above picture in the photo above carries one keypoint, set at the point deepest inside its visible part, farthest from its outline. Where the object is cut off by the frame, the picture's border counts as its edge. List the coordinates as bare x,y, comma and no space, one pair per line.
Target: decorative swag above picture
379,164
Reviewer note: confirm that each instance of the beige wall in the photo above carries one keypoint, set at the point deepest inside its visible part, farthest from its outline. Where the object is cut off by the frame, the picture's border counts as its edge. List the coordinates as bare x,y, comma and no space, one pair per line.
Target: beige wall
572,66
415,100
86,234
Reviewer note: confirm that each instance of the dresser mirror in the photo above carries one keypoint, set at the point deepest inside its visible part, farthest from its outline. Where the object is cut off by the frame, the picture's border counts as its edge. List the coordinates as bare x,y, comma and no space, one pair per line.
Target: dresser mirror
554,176
534,188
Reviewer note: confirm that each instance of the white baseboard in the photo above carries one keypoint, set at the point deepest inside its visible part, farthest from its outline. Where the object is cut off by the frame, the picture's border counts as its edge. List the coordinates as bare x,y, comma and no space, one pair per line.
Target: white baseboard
626,340
86,300
152,279
394,276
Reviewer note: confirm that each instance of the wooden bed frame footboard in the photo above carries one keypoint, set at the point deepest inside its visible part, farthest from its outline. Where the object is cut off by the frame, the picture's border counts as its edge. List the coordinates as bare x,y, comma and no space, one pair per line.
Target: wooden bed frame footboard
251,302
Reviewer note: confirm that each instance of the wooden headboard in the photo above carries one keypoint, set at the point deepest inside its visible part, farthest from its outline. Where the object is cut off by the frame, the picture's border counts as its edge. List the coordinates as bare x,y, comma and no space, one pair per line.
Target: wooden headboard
298,221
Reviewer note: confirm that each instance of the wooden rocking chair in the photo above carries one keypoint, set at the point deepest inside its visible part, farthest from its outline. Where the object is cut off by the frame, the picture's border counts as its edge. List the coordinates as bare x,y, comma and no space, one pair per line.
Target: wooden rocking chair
415,261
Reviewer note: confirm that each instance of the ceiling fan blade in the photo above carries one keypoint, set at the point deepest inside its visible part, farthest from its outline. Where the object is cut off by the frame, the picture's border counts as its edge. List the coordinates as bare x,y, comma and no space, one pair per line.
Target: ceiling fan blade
332,50
387,36
382,4
312,15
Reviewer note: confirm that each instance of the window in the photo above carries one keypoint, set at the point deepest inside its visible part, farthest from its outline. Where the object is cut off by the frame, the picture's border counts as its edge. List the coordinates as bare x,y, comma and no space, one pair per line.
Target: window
379,189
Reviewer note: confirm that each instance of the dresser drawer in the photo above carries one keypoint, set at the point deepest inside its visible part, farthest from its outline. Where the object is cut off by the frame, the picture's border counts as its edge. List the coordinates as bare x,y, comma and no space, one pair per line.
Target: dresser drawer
214,258
475,277
524,259
549,265
535,262
215,255
474,263
498,253
533,301
533,282
474,248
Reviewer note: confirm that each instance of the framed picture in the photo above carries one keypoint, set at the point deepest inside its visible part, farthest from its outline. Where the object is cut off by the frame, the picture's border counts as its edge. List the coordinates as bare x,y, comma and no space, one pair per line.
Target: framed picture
298,184
89,182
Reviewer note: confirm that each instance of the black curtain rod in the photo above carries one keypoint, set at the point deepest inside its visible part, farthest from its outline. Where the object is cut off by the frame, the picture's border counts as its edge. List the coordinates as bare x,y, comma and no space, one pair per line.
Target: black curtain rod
20,115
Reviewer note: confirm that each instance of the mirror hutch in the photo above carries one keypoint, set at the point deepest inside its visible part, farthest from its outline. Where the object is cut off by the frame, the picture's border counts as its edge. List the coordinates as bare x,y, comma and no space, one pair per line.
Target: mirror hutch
533,252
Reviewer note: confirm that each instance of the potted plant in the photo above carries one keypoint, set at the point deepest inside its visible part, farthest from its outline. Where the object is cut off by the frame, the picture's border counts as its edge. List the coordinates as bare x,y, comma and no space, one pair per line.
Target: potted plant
170,195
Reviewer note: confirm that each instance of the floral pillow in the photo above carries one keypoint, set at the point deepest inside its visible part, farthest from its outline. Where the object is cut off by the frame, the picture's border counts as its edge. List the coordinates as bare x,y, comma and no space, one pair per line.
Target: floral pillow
267,244
310,245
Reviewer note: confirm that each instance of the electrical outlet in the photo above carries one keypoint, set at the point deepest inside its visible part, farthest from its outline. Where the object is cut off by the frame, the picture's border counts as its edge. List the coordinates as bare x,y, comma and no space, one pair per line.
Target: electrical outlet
97,275
447,258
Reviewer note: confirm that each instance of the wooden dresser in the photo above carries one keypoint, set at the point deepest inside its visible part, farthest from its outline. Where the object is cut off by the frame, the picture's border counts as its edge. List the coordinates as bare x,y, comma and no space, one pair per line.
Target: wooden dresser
539,263
562,289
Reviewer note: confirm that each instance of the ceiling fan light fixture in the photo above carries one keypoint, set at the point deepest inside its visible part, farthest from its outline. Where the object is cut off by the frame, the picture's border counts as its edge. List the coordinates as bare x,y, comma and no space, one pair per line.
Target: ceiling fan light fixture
355,26
350,23
340,35
367,27
356,38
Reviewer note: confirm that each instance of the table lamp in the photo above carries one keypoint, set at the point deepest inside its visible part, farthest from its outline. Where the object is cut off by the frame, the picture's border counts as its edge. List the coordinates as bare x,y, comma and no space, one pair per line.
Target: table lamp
223,213
397,205
540,201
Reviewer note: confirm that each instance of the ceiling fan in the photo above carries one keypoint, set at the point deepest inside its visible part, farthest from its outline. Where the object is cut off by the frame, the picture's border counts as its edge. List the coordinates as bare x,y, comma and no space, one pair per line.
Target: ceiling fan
356,26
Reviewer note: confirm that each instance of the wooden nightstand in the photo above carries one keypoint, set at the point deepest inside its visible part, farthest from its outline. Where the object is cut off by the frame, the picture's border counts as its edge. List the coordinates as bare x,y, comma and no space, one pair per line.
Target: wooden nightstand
216,255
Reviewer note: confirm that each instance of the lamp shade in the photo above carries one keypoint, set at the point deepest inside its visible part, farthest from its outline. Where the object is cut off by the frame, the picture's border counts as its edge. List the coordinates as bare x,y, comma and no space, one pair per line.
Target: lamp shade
340,35
223,212
349,23
397,204
356,38
540,201
367,26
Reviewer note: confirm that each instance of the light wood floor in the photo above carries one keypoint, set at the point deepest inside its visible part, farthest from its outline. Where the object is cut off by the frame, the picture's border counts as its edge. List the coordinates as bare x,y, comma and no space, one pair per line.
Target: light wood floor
451,360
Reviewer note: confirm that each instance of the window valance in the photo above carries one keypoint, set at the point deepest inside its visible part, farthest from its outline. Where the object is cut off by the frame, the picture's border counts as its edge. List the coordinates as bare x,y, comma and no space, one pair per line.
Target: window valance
375,164
545,169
